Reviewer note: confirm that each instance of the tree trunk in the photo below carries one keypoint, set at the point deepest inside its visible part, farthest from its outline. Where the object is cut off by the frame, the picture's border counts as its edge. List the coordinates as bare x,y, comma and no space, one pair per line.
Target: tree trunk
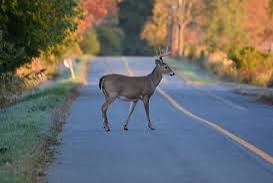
181,40
174,39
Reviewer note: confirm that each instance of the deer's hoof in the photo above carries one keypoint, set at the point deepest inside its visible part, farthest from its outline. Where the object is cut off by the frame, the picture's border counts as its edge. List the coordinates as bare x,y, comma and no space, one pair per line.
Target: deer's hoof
107,129
125,127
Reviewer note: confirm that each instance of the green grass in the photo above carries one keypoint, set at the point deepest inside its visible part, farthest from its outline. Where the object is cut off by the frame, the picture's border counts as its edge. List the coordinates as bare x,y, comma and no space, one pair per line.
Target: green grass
191,72
27,125
22,129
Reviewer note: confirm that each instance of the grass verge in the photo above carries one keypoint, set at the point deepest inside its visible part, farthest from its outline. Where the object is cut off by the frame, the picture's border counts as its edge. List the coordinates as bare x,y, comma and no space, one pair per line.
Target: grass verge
29,127
192,73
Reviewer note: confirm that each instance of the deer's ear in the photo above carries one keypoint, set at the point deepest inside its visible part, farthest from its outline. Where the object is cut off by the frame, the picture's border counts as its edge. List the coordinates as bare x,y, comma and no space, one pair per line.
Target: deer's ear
158,61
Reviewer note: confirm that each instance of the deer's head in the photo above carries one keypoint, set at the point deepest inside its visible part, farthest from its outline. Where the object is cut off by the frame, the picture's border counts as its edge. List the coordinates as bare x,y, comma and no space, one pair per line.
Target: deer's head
164,68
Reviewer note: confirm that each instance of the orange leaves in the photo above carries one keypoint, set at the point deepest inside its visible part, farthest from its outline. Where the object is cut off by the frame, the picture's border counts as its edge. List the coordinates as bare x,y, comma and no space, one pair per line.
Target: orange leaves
259,23
94,10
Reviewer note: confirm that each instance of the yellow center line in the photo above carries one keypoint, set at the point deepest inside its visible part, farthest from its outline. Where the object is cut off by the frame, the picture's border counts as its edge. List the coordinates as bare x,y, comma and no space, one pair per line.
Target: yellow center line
267,157
218,128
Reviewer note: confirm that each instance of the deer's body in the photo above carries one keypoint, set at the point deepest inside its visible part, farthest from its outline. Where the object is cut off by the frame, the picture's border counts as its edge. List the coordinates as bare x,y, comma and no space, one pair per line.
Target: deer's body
136,87
131,89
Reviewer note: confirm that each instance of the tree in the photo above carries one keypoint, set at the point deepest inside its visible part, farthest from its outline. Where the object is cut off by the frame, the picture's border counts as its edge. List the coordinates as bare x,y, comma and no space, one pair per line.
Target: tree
259,24
224,24
155,30
185,12
169,23
110,38
132,16
95,10
90,43
31,27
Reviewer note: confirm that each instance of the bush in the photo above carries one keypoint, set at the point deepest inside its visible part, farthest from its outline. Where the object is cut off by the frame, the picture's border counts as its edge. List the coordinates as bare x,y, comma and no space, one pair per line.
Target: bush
10,54
253,66
111,40
219,64
11,88
190,51
90,43
28,28
195,53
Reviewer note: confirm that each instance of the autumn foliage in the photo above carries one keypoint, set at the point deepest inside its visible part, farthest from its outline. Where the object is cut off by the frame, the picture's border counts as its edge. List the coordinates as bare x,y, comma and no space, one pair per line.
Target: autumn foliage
240,32
259,23
94,10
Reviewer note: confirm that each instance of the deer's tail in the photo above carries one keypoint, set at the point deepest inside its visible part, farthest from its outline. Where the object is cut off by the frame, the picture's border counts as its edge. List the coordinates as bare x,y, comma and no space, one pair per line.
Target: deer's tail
101,82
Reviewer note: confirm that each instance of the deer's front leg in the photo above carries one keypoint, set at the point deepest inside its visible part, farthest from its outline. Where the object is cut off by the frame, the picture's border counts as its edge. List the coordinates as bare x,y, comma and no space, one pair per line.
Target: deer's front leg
146,106
131,110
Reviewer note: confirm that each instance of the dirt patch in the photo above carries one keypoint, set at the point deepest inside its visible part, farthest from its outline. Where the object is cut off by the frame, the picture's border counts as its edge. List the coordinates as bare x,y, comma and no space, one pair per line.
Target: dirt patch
263,95
267,99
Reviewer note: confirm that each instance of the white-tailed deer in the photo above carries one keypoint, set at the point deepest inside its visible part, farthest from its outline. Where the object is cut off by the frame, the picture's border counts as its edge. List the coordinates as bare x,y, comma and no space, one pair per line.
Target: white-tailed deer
132,89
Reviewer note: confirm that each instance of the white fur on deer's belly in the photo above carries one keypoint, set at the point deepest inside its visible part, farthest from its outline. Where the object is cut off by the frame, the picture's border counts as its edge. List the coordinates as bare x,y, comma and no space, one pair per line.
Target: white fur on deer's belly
129,99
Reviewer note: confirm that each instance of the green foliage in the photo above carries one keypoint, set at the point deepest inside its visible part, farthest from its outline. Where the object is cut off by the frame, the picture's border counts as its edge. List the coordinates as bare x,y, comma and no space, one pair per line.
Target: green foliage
132,17
190,51
111,40
31,27
253,66
90,43
224,27
10,54
10,89
271,7
246,57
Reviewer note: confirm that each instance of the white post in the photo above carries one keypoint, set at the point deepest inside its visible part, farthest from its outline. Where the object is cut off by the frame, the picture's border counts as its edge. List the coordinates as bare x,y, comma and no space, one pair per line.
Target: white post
69,63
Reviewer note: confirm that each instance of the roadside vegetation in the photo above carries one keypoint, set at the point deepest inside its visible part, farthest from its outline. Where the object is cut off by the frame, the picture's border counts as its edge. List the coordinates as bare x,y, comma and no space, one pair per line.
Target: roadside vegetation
30,126
118,32
36,90
192,73
233,39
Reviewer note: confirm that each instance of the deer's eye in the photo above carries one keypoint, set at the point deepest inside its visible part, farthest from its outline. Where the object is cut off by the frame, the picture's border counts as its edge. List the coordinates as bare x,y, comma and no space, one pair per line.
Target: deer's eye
166,67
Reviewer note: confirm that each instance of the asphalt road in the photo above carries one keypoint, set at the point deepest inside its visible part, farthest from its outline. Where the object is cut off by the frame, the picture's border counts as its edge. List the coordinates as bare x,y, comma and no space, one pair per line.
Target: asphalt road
183,148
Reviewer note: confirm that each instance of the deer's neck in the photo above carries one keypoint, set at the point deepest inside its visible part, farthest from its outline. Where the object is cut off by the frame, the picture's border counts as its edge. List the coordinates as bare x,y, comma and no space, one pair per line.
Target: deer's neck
155,76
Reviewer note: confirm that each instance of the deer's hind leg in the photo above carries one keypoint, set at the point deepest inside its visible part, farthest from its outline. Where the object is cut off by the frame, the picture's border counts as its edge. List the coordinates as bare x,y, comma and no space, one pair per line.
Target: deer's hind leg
131,110
104,109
